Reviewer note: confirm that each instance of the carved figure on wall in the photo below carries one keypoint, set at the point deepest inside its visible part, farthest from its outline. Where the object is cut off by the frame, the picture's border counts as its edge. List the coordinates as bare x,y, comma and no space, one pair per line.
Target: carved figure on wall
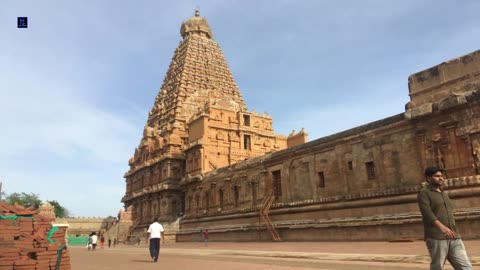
220,136
174,139
268,125
144,209
148,131
440,160
233,137
267,143
158,143
176,172
476,154
131,161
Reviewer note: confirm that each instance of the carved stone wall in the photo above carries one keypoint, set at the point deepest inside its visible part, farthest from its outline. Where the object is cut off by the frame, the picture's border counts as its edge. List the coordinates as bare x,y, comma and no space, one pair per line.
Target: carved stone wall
219,136
84,226
358,175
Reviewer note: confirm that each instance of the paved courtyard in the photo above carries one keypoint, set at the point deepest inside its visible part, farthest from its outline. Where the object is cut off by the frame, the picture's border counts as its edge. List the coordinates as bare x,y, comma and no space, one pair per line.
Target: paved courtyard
305,255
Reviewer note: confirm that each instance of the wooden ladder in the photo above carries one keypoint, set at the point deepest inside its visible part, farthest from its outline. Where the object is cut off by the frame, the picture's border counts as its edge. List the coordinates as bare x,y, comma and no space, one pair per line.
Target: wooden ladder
266,204
132,228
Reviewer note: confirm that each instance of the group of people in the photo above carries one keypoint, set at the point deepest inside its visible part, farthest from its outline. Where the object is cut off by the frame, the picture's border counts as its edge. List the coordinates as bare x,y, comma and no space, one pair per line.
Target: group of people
93,240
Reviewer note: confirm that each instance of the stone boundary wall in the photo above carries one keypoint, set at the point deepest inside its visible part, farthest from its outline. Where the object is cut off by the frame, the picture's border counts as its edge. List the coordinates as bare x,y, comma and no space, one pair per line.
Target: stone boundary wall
81,219
84,226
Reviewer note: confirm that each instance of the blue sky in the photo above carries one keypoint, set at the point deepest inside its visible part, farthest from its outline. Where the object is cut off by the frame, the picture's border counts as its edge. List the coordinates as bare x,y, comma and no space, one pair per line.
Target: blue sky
77,85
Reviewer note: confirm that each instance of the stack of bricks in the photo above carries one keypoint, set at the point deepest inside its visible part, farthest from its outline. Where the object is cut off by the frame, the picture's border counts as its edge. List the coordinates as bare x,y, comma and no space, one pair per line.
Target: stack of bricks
24,243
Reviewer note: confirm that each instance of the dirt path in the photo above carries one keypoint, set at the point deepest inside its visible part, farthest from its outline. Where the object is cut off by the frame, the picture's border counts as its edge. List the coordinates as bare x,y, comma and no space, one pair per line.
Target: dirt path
315,255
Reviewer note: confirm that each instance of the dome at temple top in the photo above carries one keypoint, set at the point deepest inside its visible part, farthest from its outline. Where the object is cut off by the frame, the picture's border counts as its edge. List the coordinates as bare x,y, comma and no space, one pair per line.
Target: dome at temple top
196,25
46,205
47,210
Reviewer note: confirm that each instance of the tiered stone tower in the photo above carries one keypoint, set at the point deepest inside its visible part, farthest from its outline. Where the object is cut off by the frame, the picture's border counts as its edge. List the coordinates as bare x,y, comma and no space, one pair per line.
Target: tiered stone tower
199,122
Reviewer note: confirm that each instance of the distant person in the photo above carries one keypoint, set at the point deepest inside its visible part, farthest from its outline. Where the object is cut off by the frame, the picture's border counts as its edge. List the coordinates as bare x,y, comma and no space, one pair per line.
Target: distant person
441,235
102,242
109,242
89,243
155,233
114,242
205,237
94,241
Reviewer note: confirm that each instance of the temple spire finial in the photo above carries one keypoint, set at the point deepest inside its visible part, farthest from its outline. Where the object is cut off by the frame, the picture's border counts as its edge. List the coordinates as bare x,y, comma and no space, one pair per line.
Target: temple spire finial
196,25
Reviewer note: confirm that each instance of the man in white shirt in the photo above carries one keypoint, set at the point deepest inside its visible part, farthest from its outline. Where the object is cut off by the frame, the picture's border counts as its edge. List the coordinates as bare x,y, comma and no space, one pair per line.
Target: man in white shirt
94,241
155,233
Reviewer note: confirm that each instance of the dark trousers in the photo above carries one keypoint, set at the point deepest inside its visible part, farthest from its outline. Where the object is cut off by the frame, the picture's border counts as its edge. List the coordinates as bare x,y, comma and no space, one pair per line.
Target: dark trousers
154,248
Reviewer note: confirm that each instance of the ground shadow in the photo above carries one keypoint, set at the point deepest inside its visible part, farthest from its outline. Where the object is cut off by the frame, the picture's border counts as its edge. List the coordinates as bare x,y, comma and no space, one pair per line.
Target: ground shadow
144,261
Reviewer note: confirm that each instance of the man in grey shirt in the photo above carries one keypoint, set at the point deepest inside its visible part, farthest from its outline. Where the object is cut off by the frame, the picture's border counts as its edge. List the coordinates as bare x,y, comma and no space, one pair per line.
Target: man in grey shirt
441,235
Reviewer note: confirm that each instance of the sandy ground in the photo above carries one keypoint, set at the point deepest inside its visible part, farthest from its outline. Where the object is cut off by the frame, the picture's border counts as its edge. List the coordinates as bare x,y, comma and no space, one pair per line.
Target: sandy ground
288,255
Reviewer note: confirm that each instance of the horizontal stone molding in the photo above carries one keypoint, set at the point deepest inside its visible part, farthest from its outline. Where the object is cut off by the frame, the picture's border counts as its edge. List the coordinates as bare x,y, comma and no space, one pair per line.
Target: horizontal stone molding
459,187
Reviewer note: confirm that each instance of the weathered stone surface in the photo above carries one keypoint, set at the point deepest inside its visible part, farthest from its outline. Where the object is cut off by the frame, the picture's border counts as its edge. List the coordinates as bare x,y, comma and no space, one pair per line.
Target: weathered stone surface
419,111
449,78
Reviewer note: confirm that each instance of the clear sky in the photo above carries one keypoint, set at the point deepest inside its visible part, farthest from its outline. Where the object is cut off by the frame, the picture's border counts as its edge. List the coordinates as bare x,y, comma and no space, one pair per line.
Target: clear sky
77,85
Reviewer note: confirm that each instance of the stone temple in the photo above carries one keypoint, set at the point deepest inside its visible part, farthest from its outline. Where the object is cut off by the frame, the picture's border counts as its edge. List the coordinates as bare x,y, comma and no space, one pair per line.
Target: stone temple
206,162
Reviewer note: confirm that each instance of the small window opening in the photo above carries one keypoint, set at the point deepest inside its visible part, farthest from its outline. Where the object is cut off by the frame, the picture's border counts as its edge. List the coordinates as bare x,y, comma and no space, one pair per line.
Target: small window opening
236,195
246,120
220,198
247,142
370,166
277,183
321,179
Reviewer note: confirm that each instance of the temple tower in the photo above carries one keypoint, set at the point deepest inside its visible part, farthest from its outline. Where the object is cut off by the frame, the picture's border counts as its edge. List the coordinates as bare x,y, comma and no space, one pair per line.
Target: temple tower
199,122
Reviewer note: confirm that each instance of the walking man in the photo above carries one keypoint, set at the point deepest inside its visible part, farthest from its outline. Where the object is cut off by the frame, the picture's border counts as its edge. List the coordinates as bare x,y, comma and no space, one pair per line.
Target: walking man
94,241
155,233
441,235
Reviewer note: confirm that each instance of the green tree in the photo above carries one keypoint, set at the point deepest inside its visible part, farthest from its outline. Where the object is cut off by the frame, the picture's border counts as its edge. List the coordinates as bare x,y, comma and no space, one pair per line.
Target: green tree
27,200
60,211
24,199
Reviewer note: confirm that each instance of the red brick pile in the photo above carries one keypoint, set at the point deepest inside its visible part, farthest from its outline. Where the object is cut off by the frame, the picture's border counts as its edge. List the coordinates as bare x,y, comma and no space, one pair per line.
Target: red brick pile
23,240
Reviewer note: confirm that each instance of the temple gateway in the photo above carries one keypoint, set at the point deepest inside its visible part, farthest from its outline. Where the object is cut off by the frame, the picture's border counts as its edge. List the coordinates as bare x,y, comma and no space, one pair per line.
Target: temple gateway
206,162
